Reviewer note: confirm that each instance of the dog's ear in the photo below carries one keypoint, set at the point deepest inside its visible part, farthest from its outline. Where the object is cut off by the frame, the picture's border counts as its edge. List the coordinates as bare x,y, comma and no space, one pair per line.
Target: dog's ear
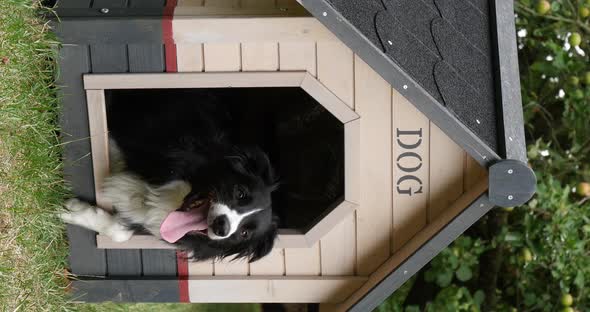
263,246
253,160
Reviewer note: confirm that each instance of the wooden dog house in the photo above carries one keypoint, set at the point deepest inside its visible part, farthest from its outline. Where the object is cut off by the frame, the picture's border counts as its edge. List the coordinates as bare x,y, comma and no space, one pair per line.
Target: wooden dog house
428,95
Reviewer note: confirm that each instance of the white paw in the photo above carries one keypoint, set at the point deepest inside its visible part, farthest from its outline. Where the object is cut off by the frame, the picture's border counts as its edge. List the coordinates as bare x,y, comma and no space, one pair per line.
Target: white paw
67,217
76,211
119,233
75,217
74,204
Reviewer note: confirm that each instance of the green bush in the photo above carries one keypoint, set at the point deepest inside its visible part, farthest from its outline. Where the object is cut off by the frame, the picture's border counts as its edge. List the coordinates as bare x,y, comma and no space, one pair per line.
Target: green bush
535,257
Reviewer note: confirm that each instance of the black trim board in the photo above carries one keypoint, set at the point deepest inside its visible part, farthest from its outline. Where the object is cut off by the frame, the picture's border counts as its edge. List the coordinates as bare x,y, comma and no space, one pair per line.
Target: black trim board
126,290
74,61
114,59
73,3
77,58
115,30
399,80
477,209
508,82
112,12
60,4
116,8
85,258
109,3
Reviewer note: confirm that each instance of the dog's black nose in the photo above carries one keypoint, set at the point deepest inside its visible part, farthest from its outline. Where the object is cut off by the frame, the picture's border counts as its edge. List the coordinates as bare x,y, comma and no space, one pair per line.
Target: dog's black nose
220,226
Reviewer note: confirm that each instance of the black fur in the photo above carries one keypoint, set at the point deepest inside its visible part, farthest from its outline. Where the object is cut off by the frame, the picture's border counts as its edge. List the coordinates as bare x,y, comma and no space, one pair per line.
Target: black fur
167,135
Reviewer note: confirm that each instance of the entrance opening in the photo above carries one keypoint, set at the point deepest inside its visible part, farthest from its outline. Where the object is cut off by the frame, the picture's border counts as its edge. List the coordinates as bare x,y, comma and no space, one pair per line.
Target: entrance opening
304,141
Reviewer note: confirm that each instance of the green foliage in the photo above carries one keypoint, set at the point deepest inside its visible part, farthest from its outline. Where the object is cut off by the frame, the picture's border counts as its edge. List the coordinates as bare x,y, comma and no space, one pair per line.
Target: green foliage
539,253
454,298
396,301
459,261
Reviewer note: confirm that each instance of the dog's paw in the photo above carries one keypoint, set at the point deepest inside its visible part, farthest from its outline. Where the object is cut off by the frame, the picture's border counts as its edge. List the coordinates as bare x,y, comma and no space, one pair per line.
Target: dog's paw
119,233
78,212
67,217
72,217
74,205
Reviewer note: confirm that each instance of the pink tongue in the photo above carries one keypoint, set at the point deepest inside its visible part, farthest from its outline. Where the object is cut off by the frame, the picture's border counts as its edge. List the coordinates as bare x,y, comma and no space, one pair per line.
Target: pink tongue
178,223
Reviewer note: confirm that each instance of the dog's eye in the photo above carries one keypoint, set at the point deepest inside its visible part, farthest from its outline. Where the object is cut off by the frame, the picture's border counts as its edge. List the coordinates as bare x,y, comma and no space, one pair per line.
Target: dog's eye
240,193
244,233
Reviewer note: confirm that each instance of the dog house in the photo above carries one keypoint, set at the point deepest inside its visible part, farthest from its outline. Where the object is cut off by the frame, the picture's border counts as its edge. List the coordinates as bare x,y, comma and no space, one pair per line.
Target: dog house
422,97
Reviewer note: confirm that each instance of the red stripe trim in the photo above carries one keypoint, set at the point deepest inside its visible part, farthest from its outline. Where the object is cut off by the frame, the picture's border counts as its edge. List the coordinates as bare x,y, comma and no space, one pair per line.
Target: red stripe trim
182,263
167,36
170,52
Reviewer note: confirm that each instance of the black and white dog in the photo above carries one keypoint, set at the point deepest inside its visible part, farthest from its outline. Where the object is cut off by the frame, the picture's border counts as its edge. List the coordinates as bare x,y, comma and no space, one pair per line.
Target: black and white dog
177,173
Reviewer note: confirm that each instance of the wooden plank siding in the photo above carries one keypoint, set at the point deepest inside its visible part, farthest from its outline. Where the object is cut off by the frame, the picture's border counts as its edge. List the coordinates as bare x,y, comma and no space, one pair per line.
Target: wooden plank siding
303,289
335,64
225,57
411,162
300,56
446,172
190,58
222,57
431,229
474,172
241,29
264,56
374,215
239,3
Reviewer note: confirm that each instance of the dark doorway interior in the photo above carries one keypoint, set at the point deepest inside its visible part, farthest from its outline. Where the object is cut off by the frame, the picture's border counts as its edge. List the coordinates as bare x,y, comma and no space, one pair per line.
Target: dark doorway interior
305,143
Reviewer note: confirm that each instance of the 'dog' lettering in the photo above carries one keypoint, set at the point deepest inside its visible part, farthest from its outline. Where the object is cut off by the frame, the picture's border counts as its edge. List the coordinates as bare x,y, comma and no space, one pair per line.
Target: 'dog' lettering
409,184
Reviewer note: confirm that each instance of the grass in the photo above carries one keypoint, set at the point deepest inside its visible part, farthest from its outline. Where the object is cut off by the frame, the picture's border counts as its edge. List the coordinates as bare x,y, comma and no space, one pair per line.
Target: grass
33,246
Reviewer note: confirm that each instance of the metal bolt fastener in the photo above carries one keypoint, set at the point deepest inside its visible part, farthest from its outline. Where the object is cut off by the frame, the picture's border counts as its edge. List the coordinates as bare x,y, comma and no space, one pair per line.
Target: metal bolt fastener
510,171
104,10
510,197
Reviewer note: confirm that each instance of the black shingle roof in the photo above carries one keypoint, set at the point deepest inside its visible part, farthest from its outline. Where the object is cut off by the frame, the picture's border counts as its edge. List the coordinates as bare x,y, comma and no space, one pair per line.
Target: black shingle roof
445,46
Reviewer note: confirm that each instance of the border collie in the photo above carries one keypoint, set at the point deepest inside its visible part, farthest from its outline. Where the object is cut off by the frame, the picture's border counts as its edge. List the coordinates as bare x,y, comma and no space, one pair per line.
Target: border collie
177,174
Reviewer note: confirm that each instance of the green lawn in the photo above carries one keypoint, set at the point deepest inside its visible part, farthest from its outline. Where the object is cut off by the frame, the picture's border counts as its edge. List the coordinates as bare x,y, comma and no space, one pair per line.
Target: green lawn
33,246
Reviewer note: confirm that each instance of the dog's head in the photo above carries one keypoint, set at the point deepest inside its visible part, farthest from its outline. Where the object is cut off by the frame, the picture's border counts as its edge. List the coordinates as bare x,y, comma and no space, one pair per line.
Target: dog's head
239,220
